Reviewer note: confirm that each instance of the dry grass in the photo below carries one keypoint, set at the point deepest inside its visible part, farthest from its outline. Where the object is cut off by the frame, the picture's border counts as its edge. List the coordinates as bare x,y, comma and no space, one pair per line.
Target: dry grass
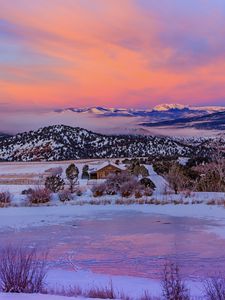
107,292
21,270
102,293
220,202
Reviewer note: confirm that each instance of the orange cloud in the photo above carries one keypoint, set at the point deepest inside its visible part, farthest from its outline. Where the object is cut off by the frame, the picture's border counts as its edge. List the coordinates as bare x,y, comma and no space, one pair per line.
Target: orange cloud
96,52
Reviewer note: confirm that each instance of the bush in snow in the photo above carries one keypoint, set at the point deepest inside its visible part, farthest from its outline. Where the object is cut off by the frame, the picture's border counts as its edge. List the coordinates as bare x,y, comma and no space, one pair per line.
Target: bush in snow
138,193
98,190
21,270
79,192
39,196
65,196
115,181
215,288
54,183
128,188
162,166
27,192
72,173
5,198
211,182
173,286
148,192
138,170
147,183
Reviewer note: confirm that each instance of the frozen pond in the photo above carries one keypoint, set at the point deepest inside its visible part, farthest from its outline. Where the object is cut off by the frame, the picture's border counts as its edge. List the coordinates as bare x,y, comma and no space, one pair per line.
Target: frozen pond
129,242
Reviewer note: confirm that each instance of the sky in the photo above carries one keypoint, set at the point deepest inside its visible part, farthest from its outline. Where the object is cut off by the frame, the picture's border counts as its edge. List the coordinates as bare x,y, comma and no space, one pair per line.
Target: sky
113,53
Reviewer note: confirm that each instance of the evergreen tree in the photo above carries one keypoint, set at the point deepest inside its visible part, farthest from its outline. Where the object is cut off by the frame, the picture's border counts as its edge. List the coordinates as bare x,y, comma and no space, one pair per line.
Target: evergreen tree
85,174
72,173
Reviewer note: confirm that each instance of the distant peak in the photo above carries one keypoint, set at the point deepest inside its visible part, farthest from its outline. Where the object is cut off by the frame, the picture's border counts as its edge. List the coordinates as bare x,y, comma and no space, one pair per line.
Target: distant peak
165,107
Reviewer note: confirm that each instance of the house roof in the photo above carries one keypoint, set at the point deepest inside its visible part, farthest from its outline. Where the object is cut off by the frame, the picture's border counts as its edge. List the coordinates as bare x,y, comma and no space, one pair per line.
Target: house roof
106,164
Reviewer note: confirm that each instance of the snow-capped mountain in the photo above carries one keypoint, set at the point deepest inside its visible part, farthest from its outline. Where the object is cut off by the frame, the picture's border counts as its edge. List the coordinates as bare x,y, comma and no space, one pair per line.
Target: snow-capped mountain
205,109
132,111
158,113
62,142
166,107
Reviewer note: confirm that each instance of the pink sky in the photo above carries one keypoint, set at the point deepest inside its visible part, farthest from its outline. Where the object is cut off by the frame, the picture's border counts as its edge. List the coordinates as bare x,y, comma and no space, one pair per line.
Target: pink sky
130,53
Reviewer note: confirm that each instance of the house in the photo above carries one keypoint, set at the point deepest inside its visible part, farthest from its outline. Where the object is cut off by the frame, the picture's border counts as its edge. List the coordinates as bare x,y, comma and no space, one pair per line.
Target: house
101,172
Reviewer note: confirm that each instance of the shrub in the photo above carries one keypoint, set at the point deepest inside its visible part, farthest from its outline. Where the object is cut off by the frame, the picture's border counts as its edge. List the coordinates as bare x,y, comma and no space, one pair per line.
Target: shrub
21,271
27,192
162,167
148,183
115,181
136,169
65,196
173,286
211,182
5,198
98,190
215,289
54,183
39,196
148,192
128,188
138,194
79,192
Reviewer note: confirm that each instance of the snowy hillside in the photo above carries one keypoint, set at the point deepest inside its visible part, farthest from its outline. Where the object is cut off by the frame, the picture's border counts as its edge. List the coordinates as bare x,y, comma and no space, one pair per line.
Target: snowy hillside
63,143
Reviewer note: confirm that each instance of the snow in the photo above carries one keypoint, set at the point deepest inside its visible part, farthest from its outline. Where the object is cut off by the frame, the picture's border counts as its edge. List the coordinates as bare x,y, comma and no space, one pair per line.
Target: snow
166,107
158,180
36,297
28,217
134,286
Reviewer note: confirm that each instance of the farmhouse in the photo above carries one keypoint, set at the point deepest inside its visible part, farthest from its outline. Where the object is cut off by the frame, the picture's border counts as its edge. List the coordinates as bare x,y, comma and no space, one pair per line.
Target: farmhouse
104,170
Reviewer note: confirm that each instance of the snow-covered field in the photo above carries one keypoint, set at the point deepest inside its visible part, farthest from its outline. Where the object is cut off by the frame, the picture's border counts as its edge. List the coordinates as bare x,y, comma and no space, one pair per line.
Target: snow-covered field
125,244
34,297
37,224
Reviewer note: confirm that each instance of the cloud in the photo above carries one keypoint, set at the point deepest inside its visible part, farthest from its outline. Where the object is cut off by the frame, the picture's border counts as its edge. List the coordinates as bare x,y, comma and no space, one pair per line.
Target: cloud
93,52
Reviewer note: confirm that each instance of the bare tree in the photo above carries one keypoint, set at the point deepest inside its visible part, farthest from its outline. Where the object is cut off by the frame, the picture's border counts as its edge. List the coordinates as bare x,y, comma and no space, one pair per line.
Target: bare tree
173,286
215,288
176,178
21,270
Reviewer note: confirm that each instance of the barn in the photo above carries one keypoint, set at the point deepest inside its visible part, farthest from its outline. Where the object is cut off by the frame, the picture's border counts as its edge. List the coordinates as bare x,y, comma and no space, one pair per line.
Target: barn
101,172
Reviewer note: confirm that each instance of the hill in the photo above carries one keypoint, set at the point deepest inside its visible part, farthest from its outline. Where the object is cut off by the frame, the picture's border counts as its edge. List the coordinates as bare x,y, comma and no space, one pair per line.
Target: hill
62,142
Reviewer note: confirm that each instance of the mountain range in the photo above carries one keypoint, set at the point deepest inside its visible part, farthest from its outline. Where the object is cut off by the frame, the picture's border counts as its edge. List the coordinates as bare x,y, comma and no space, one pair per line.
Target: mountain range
164,111
213,121
62,142
163,120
